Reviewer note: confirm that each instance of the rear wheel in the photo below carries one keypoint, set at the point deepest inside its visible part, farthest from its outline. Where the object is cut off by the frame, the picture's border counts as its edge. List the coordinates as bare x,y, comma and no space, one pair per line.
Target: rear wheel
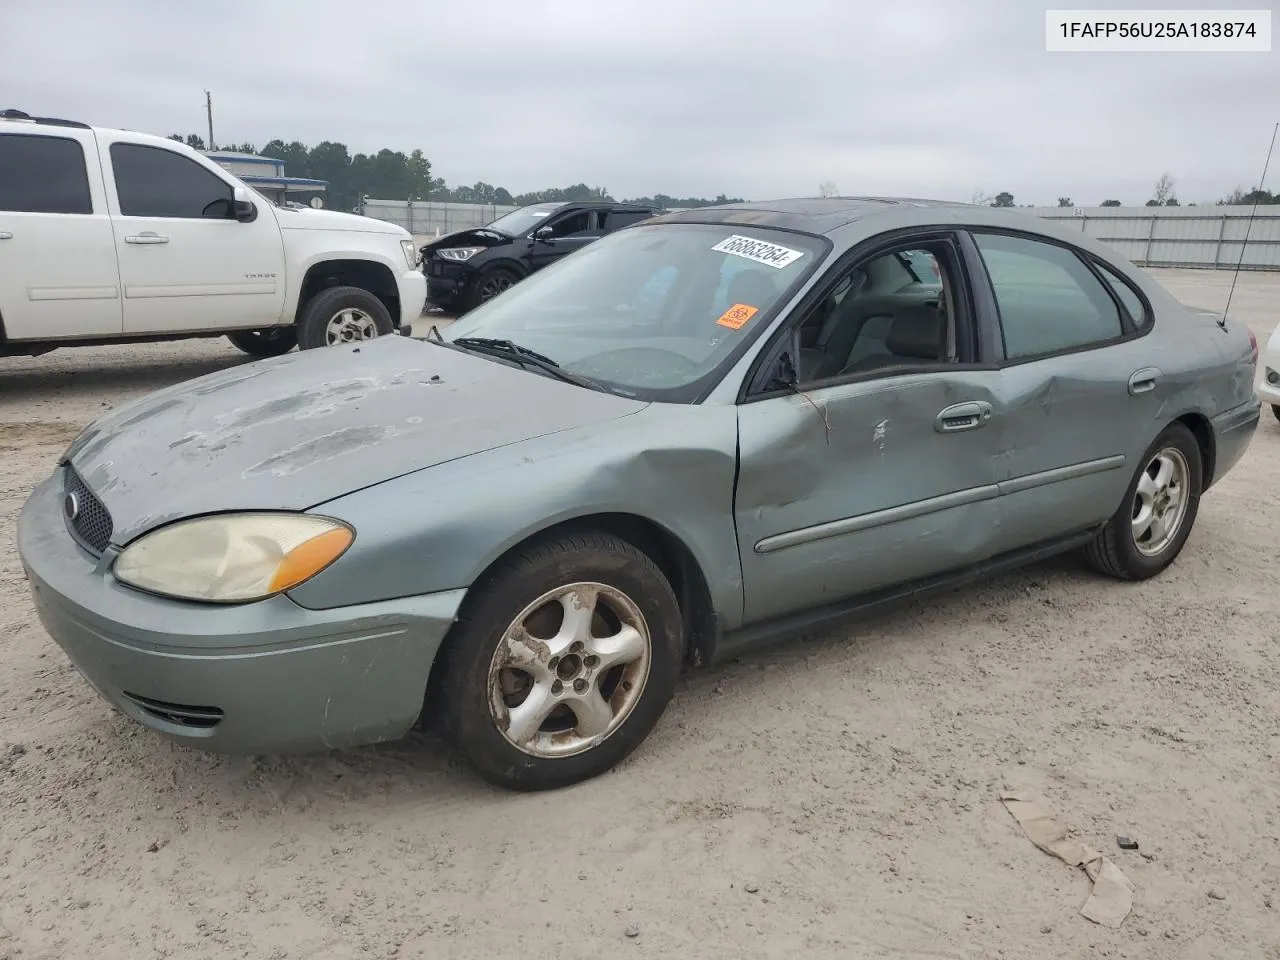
339,315
562,663
1149,530
271,342
1275,408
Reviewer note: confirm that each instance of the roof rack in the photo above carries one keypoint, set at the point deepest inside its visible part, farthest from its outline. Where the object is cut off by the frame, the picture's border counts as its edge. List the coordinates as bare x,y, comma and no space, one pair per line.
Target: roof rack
12,114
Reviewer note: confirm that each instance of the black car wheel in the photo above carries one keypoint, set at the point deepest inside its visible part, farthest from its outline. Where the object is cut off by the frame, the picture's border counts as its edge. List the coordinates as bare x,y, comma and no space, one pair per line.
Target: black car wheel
490,283
1149,530
271,342
1275,408
561,663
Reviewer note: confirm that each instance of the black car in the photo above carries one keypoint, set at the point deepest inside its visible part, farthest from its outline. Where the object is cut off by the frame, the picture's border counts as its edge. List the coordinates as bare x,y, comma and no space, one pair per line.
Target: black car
468,267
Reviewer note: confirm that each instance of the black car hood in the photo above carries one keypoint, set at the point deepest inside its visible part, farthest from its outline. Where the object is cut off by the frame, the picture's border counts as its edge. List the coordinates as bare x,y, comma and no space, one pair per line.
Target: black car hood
295,431
475,237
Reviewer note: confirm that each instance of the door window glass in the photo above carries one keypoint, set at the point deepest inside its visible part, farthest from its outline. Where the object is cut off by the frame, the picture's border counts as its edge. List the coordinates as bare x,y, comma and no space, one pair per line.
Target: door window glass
154,182
43,175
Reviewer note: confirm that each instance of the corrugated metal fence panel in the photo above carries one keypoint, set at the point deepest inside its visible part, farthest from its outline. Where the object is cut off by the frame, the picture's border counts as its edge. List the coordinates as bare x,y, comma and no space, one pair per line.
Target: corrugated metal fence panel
1200,236
424,217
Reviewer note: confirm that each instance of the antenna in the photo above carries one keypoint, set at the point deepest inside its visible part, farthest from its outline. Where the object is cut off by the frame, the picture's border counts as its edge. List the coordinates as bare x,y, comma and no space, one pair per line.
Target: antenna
1257,195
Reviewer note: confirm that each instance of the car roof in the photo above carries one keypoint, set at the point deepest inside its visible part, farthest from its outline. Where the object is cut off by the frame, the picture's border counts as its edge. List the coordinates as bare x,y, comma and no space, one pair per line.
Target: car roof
820,215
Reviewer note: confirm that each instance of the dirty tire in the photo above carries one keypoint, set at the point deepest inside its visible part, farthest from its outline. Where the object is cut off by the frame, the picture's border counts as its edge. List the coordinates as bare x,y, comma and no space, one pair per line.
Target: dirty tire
313,324
271,342
490,283
465,717
1114,551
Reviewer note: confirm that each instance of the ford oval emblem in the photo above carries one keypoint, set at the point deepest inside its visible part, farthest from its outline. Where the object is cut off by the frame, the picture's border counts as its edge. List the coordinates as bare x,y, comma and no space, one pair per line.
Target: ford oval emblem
71,506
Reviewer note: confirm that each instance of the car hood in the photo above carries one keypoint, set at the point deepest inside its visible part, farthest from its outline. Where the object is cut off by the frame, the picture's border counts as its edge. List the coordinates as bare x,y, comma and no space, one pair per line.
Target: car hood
306,218
295,431
475,237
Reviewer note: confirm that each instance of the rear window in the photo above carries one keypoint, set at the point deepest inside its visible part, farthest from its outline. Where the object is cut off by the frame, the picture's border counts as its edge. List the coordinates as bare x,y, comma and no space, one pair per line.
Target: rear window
43,175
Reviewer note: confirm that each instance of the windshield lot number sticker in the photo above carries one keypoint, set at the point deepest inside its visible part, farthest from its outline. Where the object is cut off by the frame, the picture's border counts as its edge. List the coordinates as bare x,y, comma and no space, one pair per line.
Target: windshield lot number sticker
770,254
737,315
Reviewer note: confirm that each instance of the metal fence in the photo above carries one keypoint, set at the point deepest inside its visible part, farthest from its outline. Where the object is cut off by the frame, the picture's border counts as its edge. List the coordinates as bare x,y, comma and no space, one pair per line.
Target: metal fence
425,217
1209,237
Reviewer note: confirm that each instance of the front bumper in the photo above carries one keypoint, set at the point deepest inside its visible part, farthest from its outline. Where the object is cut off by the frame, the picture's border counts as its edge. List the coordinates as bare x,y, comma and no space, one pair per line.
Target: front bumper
1232,433
447,283
412,286
266,677
1269,392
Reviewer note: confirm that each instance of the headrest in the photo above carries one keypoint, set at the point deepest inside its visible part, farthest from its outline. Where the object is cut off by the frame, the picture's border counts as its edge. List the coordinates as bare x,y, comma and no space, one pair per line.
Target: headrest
916,332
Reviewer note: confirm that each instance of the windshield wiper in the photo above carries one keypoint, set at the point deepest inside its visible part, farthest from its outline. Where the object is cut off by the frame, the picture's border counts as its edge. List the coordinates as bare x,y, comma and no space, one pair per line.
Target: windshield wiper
511,350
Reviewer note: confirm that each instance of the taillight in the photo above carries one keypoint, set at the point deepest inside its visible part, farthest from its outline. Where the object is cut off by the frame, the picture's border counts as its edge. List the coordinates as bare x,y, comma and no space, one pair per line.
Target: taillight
1253,345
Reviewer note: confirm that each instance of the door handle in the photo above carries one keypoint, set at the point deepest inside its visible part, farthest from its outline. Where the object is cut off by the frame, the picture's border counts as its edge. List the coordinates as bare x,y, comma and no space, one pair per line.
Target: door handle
963,416
1143,381
5,235
147,236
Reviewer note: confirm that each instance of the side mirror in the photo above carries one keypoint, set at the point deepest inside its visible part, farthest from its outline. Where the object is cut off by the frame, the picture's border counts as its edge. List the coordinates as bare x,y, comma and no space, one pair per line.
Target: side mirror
786,376
242,206
543,233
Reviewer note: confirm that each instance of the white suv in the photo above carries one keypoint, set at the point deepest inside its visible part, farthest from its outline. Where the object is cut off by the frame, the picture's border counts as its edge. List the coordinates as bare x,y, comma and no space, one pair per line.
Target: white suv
108,236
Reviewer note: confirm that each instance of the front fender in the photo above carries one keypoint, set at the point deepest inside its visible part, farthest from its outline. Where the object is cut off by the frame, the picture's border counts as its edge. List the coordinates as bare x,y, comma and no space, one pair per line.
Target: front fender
441,528
305,249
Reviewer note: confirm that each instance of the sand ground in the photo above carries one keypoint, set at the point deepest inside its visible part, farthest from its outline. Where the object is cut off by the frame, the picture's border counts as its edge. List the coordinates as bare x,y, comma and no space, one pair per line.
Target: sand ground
834,796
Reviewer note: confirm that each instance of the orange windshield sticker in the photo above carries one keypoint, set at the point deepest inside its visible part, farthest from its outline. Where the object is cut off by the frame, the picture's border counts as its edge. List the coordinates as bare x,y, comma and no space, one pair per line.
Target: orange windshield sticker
737,315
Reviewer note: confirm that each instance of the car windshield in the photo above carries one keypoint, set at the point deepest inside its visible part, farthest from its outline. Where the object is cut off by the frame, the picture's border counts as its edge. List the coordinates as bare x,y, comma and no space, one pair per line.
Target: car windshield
654,312
517,223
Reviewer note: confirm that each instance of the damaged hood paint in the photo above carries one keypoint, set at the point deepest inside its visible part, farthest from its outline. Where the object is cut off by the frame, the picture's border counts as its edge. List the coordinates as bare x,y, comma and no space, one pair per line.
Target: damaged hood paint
298,430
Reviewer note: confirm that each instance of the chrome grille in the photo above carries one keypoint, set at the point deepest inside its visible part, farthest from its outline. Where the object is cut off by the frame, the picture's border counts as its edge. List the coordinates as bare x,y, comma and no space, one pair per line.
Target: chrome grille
87,517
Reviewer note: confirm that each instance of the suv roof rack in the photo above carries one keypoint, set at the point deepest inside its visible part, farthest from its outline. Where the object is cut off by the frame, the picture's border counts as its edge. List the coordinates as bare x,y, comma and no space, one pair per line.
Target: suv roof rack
12,114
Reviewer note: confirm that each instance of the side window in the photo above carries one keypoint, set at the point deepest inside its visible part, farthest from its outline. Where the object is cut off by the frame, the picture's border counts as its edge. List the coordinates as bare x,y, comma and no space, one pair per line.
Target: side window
617,219
573,224
878,316
154,182
1127,295
1048,299
42,175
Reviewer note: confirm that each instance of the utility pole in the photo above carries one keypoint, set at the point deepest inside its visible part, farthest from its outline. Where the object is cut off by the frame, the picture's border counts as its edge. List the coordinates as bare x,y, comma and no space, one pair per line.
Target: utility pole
208,108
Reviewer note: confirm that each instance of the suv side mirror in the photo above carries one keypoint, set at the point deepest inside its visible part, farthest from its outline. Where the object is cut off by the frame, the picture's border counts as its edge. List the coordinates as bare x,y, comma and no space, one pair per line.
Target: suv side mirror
543,233
242,205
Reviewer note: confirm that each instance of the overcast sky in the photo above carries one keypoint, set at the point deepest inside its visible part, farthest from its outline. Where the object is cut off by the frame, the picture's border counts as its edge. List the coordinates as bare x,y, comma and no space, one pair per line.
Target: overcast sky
699,97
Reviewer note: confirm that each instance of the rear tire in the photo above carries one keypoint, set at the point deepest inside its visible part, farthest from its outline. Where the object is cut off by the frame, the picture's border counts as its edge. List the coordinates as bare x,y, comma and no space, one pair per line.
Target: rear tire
1159,509
561,663
270,342
341,315
1275,408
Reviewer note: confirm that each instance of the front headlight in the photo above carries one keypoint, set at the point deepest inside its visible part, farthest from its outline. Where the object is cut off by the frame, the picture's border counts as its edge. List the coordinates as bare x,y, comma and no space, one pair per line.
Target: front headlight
235,558
410,253
458,254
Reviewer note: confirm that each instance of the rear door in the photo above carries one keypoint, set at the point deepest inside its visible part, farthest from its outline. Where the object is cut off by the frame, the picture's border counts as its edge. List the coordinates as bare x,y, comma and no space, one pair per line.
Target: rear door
186,264
1083,388
58,275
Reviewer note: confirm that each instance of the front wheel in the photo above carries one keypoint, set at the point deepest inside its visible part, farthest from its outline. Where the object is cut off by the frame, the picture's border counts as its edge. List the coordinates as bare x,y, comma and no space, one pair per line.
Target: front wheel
562,663
339,315
1149,530
270,342
491,282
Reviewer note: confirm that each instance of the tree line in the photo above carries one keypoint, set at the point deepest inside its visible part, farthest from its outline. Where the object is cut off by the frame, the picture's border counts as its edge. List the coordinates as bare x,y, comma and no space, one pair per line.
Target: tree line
1164,194
393,175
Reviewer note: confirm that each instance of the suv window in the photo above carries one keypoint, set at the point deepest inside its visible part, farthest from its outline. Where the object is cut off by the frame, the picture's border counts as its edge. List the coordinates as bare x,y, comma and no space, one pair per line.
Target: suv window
42,175
1128,296
575,223
154,182
1048,299
617,219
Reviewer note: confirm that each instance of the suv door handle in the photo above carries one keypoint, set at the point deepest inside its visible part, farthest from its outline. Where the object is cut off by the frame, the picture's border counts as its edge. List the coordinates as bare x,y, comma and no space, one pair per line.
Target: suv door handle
147,236
963,416
5,235
1143,381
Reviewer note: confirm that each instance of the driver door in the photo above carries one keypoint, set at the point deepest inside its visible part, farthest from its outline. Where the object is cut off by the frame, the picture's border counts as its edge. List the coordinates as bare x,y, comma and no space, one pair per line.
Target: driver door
185,263
570,232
